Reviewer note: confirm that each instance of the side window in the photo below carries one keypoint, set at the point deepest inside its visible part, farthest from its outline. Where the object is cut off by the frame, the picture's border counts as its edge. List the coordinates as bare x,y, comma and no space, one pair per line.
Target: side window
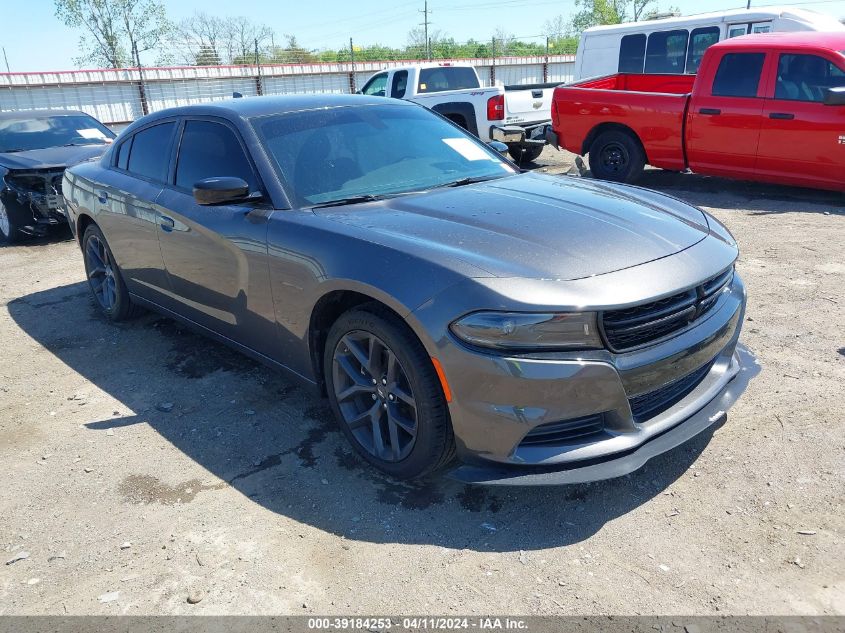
400,84
149,154
376,86
632,53
806,77
700,40
122,161
738,75
211,149
735,30
666,52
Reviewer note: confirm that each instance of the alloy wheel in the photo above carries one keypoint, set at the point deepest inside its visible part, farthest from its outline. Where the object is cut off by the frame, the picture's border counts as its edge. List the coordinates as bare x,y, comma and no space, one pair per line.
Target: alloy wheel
99,265
5,226
374,396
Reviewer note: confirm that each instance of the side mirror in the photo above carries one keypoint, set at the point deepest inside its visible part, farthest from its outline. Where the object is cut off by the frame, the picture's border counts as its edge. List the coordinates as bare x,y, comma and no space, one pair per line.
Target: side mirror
221,190
834,96
499,147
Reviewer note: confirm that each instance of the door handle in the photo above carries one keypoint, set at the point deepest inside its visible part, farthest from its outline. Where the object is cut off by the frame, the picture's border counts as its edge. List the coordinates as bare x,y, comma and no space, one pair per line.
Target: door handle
103,197
166,223
710,111
786,116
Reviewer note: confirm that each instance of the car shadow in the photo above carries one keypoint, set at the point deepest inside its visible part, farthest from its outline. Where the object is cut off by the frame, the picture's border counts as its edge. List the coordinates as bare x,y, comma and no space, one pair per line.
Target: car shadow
276,443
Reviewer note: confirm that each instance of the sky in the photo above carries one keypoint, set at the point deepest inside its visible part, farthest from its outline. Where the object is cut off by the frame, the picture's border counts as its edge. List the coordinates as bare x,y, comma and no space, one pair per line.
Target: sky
42,42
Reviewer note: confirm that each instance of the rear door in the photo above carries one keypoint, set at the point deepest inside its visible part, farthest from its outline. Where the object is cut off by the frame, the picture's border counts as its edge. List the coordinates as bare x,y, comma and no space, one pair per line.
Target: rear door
216,256
802,139
127,198
724,118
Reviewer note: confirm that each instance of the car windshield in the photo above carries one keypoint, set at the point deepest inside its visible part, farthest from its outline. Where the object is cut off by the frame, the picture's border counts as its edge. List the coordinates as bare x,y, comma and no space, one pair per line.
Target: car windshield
333,154
39,132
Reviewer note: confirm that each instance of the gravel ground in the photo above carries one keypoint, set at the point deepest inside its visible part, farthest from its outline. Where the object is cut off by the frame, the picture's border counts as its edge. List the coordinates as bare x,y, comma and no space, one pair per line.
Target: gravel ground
145,465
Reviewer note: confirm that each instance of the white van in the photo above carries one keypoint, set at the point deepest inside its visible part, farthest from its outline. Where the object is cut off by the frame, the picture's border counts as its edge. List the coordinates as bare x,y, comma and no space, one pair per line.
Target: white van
675,45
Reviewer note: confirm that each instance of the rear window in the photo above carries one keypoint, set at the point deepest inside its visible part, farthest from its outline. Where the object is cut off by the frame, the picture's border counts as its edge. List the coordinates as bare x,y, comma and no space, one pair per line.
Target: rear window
632,53
667,52
150,154
738,75
447,78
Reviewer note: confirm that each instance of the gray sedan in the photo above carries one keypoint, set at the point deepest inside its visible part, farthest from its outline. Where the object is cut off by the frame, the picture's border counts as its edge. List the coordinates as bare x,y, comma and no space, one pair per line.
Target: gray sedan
514,327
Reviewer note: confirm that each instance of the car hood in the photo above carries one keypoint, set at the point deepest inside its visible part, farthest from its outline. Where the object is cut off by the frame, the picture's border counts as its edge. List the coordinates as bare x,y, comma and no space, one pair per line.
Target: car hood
51,157
533,226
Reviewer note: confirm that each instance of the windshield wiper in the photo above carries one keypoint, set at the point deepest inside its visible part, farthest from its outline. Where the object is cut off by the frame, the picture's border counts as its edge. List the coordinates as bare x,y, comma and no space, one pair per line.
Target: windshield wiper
368,197
468,181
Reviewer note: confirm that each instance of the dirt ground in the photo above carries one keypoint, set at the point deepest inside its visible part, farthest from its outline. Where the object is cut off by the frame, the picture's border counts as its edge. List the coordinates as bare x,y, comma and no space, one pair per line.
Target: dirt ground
142,464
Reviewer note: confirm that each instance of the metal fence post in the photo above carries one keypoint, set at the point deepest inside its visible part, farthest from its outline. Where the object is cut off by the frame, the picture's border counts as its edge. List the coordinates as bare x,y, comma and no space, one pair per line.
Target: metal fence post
493,63
352,87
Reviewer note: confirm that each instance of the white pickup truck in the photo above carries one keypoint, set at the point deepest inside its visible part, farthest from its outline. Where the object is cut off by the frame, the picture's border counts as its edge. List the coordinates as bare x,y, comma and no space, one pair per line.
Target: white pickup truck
514,115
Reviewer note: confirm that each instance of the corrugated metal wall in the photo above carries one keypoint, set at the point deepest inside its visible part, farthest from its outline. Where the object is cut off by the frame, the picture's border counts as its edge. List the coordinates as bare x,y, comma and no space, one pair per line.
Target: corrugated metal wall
123,95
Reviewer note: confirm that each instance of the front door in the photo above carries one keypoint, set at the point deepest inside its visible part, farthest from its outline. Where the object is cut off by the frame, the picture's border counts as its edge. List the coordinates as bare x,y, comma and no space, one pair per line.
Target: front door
216,256
723,127
803,140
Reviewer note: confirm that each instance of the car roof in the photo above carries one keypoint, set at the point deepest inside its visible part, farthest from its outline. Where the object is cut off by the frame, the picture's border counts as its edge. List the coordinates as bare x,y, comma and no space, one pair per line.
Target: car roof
249,107
36,114
813,39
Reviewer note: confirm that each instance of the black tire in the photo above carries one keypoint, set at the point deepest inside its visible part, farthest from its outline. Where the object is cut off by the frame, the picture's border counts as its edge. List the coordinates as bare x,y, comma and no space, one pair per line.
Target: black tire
10,225
433,444
525,153
616,156
105,281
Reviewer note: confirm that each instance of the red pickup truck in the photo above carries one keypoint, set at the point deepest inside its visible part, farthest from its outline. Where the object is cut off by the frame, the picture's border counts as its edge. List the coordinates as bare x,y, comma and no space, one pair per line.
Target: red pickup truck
762,107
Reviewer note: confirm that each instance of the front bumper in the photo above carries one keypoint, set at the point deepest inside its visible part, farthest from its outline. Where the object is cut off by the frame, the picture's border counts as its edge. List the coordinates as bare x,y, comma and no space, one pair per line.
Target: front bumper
498,400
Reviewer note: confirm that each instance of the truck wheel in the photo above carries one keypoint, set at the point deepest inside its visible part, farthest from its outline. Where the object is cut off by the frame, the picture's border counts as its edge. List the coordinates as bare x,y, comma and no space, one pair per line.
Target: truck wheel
616,156
386,395
525,153
10,226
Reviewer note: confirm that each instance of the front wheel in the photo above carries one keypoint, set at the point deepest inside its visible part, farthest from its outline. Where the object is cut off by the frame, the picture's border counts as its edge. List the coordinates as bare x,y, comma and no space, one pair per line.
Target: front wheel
10,228
616,156
385,394
104,277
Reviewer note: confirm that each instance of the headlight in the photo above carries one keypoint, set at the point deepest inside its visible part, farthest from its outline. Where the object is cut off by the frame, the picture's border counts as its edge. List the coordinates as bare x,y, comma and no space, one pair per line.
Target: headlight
521,331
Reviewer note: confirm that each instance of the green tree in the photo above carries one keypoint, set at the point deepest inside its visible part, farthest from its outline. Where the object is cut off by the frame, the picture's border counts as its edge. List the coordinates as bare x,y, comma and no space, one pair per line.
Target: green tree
115,32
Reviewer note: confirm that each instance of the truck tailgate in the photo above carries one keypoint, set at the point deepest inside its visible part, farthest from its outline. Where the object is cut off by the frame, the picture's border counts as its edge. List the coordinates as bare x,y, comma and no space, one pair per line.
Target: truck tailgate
528,104
653,106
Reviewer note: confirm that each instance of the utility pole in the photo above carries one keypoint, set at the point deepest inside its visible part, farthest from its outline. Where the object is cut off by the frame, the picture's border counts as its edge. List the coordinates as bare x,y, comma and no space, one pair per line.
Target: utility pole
425,24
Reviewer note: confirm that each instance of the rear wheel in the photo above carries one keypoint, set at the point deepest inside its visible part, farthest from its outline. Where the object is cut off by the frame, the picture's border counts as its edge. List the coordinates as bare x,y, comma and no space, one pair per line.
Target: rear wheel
525,153
104,277
616,156
9,225
385,394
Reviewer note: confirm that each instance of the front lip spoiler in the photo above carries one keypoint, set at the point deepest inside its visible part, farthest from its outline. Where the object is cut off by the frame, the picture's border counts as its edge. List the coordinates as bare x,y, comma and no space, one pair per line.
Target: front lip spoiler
599,469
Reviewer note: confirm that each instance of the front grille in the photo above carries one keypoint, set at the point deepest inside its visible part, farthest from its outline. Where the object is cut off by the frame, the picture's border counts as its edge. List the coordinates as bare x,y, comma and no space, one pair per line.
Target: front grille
648,405
564,431
641,324
40,182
